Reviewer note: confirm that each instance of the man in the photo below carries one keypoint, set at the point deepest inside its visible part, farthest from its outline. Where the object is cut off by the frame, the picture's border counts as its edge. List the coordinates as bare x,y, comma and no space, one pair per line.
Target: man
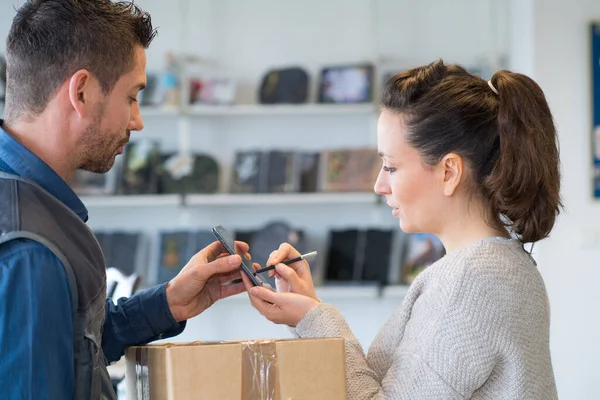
74,69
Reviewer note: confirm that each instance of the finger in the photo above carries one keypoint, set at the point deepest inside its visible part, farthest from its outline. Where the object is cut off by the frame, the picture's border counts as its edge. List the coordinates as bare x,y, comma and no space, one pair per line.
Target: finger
256,266
209,253
285,252
219,266
215,249
241,247
288,273
271,257
264,294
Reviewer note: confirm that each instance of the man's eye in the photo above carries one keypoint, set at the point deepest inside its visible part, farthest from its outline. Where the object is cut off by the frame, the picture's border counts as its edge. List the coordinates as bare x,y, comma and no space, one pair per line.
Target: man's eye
388,169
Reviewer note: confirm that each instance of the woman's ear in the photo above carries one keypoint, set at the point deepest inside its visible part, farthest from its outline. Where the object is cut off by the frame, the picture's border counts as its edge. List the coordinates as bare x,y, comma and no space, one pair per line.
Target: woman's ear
452,168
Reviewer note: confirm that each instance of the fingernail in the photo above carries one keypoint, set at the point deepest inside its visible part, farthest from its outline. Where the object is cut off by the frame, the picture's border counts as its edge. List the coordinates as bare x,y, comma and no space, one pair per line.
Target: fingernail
234,260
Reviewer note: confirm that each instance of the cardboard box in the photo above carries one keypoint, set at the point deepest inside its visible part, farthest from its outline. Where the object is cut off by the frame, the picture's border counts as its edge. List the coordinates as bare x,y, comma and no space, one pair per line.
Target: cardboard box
298,369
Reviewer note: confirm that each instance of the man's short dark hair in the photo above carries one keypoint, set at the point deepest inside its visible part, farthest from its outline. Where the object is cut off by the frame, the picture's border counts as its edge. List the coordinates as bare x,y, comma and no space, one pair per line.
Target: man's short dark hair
50,40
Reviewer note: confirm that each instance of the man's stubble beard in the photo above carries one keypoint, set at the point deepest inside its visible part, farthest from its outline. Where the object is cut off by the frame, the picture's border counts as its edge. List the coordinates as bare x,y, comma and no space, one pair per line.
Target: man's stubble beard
98,154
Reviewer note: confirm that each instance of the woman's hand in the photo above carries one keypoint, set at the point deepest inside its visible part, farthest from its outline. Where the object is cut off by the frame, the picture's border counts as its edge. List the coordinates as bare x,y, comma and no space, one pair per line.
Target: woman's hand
280,308
295,278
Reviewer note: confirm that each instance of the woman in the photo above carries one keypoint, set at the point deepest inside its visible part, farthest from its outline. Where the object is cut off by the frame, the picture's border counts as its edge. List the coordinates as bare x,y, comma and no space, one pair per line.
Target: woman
475,163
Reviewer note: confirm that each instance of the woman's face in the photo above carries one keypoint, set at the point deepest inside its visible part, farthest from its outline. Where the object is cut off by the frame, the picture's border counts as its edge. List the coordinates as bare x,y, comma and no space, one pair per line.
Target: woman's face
413,189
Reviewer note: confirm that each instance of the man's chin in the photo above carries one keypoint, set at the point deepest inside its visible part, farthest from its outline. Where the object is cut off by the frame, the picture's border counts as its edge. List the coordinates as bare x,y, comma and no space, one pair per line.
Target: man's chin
99,167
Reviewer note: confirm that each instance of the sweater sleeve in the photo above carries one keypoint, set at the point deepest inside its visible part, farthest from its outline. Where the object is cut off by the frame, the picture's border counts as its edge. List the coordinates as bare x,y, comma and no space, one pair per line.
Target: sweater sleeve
408,377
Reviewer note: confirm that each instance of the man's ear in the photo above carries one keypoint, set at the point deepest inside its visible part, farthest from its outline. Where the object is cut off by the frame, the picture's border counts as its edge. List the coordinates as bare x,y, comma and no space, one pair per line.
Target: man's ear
452,166
80,92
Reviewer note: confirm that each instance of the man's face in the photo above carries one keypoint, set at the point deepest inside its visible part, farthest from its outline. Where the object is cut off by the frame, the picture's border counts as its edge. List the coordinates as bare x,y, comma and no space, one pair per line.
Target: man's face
115,116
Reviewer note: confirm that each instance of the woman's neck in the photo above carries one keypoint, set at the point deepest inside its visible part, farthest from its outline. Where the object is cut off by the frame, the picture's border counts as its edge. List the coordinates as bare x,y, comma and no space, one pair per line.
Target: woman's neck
466,227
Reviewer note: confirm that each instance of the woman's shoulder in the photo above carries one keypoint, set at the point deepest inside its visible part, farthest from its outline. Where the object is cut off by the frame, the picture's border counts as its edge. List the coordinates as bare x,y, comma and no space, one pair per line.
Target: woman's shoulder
496,266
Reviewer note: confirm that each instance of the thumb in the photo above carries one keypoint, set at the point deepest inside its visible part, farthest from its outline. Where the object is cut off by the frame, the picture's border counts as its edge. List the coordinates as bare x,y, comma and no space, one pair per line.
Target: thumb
287,273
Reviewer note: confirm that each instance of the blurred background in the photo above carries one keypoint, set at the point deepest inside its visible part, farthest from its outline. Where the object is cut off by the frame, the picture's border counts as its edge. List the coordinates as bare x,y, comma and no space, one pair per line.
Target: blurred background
260,116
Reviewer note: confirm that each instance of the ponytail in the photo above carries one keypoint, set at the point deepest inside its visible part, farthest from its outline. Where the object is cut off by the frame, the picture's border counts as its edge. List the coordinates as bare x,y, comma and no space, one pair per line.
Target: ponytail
524,185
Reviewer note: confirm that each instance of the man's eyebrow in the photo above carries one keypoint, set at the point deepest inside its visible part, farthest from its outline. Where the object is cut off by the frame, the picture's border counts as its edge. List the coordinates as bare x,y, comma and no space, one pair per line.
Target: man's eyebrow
140,86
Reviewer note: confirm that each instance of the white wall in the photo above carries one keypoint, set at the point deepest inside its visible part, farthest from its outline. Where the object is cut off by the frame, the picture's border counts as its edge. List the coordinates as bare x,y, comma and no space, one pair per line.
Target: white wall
569,262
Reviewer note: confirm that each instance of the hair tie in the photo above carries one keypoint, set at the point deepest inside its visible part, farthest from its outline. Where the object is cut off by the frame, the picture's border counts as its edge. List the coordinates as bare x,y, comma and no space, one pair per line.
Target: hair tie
493,88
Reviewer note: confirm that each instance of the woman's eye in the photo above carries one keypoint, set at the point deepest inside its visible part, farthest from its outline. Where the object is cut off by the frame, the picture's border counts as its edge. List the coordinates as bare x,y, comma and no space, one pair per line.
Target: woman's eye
388,169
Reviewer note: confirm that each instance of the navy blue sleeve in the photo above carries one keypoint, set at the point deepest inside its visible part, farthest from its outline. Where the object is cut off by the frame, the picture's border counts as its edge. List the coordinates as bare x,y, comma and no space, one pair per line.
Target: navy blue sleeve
139,319
36,324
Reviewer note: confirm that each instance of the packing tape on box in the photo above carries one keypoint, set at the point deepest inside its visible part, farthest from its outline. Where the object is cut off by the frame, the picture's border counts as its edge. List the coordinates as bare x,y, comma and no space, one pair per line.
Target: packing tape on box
141,373
259,366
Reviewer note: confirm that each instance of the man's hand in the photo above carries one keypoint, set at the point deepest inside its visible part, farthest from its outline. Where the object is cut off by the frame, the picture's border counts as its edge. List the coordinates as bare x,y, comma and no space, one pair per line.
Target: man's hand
199,284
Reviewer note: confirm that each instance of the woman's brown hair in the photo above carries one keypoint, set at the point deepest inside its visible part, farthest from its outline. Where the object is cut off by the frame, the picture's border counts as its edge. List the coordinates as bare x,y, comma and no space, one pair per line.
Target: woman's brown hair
502,128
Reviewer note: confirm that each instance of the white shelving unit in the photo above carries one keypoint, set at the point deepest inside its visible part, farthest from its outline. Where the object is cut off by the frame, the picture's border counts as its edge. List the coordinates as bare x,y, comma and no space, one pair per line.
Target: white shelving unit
281,199
248,199
132,201
283,109
306,109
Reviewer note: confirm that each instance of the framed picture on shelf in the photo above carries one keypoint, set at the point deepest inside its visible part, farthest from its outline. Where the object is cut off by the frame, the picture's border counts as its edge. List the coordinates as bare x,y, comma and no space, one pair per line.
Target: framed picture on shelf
422,250
345,84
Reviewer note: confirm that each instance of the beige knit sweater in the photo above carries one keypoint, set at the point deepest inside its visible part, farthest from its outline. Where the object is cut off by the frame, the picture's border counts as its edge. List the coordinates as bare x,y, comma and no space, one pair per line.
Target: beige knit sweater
474,325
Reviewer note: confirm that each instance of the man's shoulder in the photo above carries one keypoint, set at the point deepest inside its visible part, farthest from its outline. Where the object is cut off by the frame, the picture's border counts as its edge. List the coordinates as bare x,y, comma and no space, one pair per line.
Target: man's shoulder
24,247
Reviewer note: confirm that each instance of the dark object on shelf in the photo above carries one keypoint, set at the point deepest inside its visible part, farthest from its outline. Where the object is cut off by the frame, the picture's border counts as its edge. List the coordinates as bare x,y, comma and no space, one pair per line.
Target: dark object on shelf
181,174
250,172
377,253
287,85
140,165
359,255
307,171
121,250
346,84
281,172
176,249
342,255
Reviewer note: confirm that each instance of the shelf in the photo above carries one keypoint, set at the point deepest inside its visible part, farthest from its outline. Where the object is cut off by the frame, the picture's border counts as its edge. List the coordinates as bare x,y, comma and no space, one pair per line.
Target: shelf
280,198
262,110
229,199
148,111
132,200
